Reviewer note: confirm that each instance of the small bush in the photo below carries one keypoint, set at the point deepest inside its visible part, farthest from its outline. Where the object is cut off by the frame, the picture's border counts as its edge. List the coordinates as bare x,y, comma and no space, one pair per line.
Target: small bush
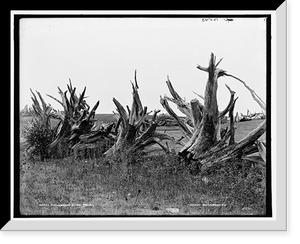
38,136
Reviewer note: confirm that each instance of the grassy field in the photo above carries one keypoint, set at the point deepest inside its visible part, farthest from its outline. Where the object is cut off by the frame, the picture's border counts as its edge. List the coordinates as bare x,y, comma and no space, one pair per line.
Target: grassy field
157,185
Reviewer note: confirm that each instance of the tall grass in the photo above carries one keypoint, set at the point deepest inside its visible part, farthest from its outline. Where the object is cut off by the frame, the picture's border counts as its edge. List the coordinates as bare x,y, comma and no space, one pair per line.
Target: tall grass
147,187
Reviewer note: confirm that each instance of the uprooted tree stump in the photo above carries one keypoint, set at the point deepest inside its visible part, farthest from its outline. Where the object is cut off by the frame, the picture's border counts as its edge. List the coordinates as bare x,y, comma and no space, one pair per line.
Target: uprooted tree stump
77,126
207,146
136,130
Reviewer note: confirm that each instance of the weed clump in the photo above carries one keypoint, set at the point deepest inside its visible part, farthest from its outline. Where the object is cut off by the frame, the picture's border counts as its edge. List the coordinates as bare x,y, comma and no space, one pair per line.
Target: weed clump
38,136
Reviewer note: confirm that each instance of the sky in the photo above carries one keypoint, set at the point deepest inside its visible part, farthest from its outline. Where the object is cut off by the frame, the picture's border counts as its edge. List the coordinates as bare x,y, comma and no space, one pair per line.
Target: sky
103,53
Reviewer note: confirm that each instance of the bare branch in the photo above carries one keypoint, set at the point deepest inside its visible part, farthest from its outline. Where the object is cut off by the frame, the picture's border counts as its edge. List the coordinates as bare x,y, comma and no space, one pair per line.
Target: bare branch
92,113
142,117
55,99
219,62
226,110
128,110
42,101
156,111
196,112
262,150
135,79
202,68
198,95
232,129
172,90
182,105
170,111
121,112
260,102
228,87
253,135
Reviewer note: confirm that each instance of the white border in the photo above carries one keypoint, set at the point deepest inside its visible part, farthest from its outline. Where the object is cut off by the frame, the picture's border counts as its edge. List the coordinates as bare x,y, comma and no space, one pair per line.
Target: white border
135,12
12,104
277,222
274,102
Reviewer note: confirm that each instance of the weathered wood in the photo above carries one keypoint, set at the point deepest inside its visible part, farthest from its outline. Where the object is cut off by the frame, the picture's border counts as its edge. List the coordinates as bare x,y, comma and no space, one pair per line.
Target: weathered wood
231,152
206,147
231,123
209,131
231,101
184,128
197,112
182,105
77,125
136,133
262,150
205,118
256,98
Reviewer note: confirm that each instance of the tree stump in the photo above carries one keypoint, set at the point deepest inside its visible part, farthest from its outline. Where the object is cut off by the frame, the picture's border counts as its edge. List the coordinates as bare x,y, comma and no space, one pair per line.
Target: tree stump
136,131
206,147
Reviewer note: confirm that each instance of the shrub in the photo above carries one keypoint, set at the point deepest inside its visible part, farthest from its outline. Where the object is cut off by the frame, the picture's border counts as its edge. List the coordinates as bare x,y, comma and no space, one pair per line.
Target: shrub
38,136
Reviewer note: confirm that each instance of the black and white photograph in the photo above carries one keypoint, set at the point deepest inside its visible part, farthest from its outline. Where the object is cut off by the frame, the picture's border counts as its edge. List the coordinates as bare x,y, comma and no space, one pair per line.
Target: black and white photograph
143,115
